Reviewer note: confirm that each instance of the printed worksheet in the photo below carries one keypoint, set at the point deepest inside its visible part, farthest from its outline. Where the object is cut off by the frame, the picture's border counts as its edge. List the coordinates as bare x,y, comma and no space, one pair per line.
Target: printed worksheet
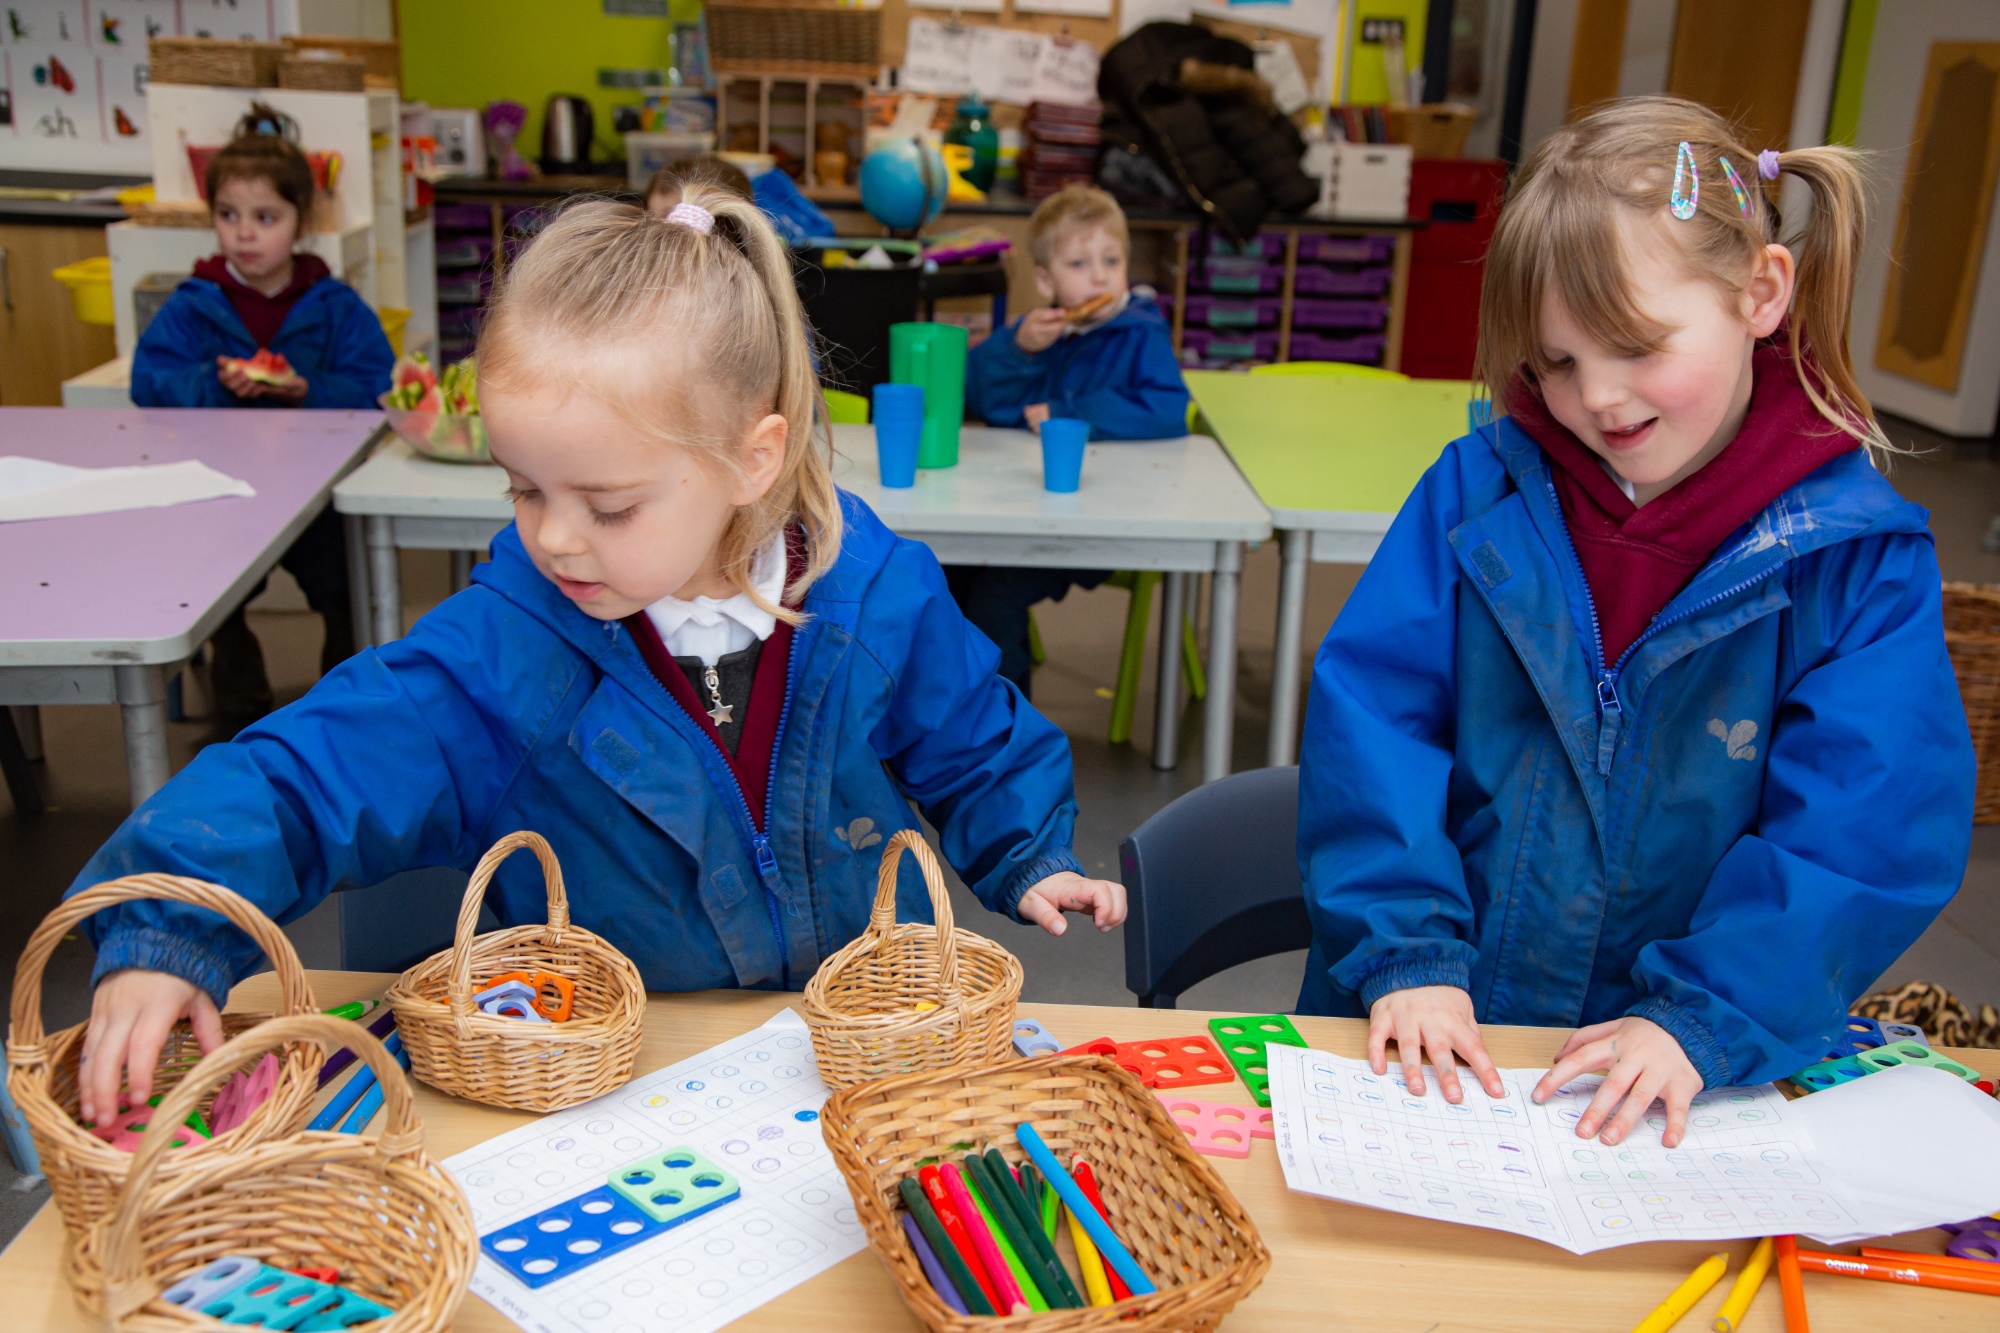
1745,1168
751,1105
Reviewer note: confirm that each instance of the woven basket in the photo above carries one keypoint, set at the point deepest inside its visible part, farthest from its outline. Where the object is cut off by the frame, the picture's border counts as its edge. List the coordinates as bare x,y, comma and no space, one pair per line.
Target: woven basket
383,58
377,1208
1972,636
791,37
861,1005
504,1061
1172,1211
212,61
84,1171
322,72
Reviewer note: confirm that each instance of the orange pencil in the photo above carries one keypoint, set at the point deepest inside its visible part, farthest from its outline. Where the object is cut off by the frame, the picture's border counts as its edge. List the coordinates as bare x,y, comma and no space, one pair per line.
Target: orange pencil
1946,1262
1819,1261
1794,1290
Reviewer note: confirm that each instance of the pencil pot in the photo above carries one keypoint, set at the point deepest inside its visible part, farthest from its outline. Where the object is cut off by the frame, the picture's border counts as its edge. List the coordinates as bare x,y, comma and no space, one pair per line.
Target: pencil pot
523,1065
910,997
392,1223
85,1172
1168,1207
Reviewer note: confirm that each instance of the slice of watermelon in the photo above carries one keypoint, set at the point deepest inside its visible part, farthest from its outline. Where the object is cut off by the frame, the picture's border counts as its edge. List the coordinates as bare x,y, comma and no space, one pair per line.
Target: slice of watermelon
415,370
267,367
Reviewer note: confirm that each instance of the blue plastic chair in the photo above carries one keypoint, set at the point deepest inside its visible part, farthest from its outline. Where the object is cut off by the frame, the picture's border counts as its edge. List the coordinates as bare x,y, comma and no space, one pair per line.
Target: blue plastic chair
1212,880
394,925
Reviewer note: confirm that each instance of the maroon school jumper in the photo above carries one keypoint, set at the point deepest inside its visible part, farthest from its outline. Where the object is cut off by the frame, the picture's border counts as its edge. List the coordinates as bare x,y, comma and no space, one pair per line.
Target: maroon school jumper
263,315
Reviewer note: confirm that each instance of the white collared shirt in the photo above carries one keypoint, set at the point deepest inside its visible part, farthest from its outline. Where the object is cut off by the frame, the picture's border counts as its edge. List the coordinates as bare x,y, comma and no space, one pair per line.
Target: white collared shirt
711,628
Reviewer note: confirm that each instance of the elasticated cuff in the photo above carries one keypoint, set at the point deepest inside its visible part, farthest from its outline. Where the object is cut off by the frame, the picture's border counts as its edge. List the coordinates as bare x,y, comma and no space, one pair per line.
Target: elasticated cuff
1404,974
192,960
1703,1051
1027,876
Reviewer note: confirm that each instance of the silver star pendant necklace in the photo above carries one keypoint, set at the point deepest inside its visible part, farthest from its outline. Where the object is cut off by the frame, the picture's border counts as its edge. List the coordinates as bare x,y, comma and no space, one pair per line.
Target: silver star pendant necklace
721,713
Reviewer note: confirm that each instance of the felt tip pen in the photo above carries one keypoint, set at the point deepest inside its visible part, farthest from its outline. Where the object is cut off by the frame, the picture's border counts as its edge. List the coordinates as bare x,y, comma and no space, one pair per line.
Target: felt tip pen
1682,1298
1017,1265
970,1291
352,1011
1744,1291
996,1185
1785,1256
1042,1243
1115,1254
343,1057
1086,1180
1011,1297
371,1100
1916,1275
931,1181
928,1261
1947,1262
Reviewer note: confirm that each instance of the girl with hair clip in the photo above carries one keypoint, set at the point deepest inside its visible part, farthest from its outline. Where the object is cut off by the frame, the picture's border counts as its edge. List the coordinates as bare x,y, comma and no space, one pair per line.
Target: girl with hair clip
1641,721
714,682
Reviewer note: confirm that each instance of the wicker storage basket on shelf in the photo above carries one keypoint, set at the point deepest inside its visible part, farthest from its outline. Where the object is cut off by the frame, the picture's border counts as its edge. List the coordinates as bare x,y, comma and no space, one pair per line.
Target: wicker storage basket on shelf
792,37
382,57
504,1061
321,72
377,1208
84,1171
862,1004
1972,636
213,61
1167,1205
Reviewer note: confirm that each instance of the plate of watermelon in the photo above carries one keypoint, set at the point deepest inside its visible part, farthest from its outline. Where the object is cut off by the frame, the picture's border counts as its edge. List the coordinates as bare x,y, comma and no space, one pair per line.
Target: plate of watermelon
437,415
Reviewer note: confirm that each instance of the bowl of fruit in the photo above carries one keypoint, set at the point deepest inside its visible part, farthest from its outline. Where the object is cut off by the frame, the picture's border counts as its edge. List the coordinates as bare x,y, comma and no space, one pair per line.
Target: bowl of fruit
437,415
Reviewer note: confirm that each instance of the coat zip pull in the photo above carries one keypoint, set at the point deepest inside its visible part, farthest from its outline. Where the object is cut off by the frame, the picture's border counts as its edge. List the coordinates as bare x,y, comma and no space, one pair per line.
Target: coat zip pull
1610,712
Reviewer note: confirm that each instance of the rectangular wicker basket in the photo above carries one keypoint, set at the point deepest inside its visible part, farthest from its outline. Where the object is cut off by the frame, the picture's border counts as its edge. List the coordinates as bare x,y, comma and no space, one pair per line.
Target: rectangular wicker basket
213,62
322,72
382,57
794,37
1173,1212
1972,637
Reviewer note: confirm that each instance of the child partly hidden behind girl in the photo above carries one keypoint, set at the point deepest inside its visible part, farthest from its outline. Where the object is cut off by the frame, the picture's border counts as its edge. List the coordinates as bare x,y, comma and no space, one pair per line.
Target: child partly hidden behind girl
1641,720
714,682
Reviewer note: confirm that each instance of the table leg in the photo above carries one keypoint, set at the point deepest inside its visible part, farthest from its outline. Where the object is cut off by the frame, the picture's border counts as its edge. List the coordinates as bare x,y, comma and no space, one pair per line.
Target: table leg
142,698
1296,547
385,580
360,604
461,570
28,722
1167,704
15,769
1218,728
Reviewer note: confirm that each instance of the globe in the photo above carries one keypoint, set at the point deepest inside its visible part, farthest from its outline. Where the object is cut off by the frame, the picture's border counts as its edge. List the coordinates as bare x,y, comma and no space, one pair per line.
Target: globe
903,184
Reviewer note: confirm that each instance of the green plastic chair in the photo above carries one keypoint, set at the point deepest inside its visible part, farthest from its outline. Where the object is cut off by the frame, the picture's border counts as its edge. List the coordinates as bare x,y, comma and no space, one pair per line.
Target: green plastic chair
1132,656
1347,368
846,409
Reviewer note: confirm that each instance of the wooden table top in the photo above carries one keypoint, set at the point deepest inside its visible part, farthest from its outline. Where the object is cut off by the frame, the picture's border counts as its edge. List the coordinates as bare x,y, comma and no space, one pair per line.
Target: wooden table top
1334,1266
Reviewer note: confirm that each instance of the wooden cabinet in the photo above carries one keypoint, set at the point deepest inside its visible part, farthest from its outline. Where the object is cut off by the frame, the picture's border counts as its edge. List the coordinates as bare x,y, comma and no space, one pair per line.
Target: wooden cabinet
42,342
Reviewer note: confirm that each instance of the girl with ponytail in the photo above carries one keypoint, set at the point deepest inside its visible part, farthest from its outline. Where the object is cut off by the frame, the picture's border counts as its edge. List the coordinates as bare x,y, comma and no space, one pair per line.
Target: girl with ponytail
712,680
1641,721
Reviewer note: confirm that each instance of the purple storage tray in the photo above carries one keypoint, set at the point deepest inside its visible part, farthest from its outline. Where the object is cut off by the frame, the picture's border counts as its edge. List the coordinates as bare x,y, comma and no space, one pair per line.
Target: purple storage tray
462,217
1230,345
1245,276
1223,312
1321,312
1347,249
1365,347
1318,281
1268,244
464,252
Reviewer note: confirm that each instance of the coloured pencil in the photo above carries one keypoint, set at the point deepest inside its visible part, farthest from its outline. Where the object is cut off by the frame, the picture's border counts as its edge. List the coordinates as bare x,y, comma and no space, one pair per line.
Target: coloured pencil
1879,1270
972,1212
1036,1192
1050,1206
1744,1291
1948,1262
1089,1261
933,1270
1043,1243
1011,1252
1682,1298
371,1100
1107,1242
933,1189
971,1290
343,1057
1086,1180
1038,1257
1785,1255
344,1097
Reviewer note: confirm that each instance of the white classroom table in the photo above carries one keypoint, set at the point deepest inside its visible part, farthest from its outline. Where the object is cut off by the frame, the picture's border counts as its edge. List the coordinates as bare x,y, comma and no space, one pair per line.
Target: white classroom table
103,608
1178,506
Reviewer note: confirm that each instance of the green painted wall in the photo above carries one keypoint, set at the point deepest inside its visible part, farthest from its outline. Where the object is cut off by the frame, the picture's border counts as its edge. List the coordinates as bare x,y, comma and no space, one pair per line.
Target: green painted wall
1845,114
467,53
1365,82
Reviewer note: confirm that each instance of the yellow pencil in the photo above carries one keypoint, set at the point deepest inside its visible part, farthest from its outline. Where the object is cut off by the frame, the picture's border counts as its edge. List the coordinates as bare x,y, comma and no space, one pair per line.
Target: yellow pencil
1730,1317
1092,1263
1684,1296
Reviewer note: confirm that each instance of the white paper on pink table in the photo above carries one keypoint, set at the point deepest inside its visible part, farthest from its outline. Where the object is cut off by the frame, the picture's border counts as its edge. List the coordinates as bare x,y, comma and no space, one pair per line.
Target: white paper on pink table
32,488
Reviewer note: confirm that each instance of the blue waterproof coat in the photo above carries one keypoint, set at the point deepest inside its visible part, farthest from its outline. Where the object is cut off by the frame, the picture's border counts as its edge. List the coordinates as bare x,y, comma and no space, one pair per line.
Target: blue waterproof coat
508,708
1731,832
330,336
1121,378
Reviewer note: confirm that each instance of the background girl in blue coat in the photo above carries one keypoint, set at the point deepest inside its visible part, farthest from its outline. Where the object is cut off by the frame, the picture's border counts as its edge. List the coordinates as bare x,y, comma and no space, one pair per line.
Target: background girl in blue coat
1641,719
711,680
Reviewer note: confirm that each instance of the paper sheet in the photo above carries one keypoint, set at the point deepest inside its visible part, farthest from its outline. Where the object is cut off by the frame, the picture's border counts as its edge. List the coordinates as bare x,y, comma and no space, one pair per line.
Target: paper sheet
33,488
1004,61
1066,73
750,1104
937,57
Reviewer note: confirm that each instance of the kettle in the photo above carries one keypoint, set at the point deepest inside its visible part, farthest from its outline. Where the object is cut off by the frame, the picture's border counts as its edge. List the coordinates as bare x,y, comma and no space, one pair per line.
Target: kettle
567,131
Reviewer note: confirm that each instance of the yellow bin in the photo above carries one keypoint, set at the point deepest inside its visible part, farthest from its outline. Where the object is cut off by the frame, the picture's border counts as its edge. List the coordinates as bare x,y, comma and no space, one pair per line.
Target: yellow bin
89,283
394,320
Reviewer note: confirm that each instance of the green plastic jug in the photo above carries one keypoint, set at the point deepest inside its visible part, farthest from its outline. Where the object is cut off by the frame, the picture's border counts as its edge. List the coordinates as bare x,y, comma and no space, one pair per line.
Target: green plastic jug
933,355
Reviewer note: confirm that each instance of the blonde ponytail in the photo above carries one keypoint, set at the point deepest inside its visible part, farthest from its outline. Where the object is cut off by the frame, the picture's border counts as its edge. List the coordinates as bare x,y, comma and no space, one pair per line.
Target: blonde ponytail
1829,251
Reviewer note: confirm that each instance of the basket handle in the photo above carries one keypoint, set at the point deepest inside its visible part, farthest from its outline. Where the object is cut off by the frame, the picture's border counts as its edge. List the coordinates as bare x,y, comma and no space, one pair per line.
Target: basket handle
402,1136
882,918
458,984
27,1041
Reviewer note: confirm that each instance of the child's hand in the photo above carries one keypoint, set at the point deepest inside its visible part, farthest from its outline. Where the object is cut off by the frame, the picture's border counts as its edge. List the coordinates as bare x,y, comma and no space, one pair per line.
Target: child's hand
130,1017
1437,1020
1644,1062
1039,328
230,372
1067,891
291,390
1034,414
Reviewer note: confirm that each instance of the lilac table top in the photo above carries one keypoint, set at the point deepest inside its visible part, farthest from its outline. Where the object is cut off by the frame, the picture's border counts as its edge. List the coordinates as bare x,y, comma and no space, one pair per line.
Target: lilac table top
149,585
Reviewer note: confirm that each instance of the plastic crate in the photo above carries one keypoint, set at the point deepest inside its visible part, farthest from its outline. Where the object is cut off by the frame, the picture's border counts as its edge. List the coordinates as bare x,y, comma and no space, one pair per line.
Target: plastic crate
1317,281
1321,312
1365,348
1269,244
463,217
1245,275
464,252
1211,344
1347,249
1218,312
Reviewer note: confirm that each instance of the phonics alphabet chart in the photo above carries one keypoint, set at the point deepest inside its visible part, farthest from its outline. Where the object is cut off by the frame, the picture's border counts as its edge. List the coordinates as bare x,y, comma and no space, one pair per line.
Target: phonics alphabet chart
750,1105
1745,1168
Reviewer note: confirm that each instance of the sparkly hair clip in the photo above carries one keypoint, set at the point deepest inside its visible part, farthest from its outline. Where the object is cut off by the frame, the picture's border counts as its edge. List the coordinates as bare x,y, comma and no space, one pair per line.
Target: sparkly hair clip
693,215
1742,191
1683,205
1767,164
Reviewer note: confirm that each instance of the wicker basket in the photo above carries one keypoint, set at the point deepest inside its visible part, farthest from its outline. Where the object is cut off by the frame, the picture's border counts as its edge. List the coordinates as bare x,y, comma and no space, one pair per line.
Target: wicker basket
212,61
84,1171
383,58
504,1061
862,1004
322,72
1972,636
377,1208
1172,1211
791,37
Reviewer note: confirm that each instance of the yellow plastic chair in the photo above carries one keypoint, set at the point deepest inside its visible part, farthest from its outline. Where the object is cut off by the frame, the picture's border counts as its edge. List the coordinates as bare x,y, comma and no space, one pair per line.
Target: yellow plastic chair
846,409
1347,368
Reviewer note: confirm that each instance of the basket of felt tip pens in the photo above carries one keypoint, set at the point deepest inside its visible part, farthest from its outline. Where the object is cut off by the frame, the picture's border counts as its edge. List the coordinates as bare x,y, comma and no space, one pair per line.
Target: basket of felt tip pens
1053,1194
534,1018
311,1231
87,1164
906,997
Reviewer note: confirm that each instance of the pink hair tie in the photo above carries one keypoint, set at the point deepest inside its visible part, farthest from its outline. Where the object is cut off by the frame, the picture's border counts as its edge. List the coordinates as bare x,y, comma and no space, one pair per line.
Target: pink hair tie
1767,164
693,215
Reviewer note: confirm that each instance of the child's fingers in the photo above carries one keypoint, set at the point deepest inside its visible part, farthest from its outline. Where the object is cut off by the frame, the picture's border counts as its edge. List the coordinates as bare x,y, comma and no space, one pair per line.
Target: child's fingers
142,1049
1584,1036
206,1021
1617,1082
1445,1061
1410,1050
1637,1102
103,1061
1039,910
1582,1060
1378,1042
1110,905
1475,1055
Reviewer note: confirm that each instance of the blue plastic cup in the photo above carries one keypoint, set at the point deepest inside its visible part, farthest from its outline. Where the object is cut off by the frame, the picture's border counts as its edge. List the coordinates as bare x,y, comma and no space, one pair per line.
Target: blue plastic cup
899,432
1063,439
